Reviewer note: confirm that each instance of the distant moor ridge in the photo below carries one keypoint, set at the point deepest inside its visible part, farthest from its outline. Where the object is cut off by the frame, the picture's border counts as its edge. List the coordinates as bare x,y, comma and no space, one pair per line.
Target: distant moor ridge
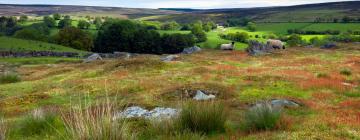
298,13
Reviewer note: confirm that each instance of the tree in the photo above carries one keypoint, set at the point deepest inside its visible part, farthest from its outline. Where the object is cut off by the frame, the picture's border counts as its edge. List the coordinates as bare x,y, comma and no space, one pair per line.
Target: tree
11,22
23,18
57,16
173,25
185,27
49,21
75,38
97,22
176,43
198,32
251,26
64,23
30,33
83,24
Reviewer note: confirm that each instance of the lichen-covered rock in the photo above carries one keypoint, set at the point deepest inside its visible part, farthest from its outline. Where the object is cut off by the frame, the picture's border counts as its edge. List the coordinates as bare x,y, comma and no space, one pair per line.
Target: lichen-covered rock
202,96
139,112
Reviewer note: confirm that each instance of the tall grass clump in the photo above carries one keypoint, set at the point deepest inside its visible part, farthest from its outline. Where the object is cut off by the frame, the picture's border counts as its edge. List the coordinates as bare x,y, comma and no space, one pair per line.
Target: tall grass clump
9,78
94,124
3,129
37,124
202,117
345,71
262,117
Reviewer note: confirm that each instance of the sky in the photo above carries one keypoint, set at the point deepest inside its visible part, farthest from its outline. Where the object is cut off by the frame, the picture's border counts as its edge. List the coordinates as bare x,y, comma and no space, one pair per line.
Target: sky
201,4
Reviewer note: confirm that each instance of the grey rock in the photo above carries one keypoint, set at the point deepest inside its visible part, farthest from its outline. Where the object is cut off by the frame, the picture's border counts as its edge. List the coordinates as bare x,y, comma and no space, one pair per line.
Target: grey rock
202,96
309,46
283,103
191,50
278,103
92,58
169,58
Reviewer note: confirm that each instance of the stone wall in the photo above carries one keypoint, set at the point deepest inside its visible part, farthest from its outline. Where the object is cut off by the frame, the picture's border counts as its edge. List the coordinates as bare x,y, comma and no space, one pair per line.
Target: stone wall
37,54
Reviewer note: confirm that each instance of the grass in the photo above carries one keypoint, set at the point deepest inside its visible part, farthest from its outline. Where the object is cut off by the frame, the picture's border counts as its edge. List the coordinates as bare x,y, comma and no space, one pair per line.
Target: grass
9,78
236,79
262,117
21,45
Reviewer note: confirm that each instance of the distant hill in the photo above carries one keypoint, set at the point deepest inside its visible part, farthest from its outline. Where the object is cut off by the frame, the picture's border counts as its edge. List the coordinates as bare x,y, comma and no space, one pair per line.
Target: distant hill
297,13
13,10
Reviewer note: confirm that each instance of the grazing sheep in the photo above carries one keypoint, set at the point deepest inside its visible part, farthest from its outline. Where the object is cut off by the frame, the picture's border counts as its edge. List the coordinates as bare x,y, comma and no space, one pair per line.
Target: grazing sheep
275,44
228,46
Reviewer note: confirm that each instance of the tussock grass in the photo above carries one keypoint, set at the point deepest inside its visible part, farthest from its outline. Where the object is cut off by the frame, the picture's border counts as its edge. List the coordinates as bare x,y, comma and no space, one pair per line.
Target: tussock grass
202,117
262,117
95,124
3,129
38,123
137,63
345,71
9,78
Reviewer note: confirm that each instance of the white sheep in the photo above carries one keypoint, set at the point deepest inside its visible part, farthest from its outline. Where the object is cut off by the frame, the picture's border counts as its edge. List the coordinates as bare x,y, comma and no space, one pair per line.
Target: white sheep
275,44
228,46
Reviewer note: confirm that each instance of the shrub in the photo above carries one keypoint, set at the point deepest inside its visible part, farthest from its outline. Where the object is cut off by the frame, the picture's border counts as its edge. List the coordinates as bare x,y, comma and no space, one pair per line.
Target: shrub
203,117
295,40
176,43
173,25
239,37
251,26
345,71
9,78
321,75
262,117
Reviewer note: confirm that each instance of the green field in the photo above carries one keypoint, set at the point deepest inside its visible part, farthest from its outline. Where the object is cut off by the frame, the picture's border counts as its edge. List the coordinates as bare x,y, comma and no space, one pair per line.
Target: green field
21,45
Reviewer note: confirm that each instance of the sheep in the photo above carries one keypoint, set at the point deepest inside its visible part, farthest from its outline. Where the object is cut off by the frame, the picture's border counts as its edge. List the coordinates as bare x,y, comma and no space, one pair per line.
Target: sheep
228,46
275,44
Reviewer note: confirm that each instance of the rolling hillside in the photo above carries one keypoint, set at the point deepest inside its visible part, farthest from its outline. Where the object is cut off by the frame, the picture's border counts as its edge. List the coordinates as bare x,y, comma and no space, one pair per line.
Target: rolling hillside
13,10
298,13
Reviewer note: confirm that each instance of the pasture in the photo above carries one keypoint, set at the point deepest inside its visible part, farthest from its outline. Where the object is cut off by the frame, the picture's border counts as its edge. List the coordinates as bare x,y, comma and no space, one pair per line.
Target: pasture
329,102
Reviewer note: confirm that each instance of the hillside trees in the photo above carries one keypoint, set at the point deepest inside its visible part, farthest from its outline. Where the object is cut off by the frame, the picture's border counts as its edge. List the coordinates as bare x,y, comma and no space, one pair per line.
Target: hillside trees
8,25
66,22
49,21
128,36
97,22
83,24
57,16
23,18
75,38
37,31
172,25
197,31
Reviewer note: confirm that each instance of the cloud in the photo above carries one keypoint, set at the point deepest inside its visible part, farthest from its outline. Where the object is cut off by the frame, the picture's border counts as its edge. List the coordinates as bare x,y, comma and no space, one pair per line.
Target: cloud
171,3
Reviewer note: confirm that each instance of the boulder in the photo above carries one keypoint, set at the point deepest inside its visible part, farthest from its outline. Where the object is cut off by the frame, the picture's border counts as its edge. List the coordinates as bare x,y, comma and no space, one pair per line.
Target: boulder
258,48
283,103
92,58
191,50
169,58
138,112
328,46
202,96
